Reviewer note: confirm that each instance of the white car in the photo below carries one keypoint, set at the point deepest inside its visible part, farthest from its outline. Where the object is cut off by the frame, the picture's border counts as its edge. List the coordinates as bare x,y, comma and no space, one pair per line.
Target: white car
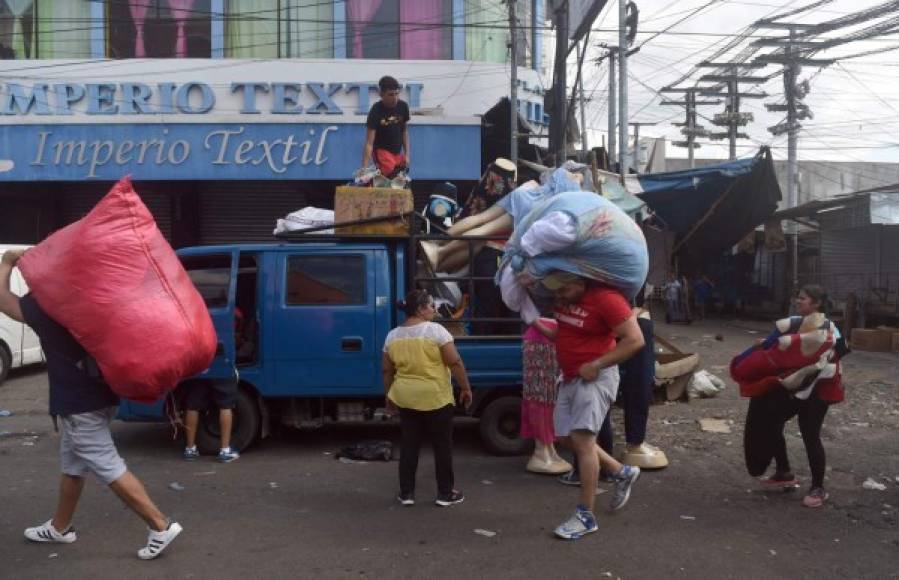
19,345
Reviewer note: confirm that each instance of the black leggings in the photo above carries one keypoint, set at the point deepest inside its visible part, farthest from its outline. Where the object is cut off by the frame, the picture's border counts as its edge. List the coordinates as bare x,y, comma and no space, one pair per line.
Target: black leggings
763,438
438,426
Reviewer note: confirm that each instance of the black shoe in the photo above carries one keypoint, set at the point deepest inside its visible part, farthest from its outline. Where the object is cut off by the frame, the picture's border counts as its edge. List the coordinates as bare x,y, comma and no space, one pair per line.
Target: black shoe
453,497
407,499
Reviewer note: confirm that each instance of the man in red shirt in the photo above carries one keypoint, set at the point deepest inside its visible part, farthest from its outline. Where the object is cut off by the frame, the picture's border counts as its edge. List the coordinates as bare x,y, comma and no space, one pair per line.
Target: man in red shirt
591,317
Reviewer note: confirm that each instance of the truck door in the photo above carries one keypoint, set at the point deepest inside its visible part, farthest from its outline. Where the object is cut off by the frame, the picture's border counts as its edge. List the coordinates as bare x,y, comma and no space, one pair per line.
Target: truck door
215,276
321,333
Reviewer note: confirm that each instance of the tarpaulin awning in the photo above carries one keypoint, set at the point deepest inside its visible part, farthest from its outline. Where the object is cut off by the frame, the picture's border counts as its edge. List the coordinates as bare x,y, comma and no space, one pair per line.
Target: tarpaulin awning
711,208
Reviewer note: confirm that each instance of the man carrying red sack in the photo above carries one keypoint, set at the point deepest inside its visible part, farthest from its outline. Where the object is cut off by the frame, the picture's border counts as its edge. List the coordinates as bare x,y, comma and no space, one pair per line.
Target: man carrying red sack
86,406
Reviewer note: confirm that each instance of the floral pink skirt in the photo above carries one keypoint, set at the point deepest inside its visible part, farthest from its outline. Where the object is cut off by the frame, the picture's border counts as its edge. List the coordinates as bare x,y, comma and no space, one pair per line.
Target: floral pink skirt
540,376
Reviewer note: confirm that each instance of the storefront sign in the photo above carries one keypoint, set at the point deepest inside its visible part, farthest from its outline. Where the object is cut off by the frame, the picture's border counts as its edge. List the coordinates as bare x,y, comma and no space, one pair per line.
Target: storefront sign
190,98
221,151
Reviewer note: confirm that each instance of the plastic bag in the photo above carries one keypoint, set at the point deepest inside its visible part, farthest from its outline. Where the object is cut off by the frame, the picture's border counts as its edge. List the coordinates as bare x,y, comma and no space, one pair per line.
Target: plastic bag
609,247
372,450
704,385
302,219
115,283
522,200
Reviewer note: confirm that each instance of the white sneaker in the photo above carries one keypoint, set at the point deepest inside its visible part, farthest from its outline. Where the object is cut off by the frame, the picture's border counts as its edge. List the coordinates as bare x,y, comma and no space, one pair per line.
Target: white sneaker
157,541
47,533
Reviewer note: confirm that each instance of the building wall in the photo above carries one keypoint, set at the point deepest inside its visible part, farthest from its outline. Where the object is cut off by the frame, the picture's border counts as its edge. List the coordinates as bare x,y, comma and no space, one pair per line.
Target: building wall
820,179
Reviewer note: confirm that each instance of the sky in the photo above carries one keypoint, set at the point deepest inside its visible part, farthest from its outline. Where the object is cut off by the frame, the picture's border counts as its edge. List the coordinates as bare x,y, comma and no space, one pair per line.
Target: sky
855,102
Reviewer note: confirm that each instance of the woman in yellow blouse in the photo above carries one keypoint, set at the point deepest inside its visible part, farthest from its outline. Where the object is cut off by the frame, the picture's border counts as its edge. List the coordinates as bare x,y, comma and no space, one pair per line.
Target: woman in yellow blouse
419,356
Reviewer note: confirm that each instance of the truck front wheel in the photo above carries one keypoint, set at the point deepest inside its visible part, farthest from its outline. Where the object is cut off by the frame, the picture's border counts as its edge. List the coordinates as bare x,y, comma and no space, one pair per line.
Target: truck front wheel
244,429
500,425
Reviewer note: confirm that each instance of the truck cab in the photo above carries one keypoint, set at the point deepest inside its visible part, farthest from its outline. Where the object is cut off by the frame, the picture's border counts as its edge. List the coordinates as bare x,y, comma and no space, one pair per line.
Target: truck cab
301,328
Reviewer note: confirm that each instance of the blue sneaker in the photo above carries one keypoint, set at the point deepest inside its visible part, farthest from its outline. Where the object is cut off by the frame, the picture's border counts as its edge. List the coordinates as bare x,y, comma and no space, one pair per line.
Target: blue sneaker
227,455
191,453
624,481
577,526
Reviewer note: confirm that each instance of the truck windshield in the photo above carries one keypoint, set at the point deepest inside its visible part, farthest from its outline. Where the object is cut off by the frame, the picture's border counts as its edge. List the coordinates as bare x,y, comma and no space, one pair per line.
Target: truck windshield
211,275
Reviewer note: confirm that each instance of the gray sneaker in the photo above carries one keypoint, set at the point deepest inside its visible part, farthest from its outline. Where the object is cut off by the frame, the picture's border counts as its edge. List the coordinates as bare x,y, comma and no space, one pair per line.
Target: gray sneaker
570,478
624,481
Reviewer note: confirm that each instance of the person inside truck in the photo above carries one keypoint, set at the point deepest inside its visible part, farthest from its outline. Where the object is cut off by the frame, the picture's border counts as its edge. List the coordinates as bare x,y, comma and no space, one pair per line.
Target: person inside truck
418,359
85,407
590,317
387,131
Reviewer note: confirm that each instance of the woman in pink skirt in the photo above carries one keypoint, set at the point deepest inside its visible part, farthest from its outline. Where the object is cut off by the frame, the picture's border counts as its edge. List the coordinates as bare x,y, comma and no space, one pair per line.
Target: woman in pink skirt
541,373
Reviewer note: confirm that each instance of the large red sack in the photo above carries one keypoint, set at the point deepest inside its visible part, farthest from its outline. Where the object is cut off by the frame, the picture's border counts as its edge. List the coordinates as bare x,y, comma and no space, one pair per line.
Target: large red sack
115,283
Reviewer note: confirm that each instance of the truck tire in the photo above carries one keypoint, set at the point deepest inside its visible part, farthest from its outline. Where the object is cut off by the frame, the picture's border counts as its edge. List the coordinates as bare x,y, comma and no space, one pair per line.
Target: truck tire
244,429
5,362
500,425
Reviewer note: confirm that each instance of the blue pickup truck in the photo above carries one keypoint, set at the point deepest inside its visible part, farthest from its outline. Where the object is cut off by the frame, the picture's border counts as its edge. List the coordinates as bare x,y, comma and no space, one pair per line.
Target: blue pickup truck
301,326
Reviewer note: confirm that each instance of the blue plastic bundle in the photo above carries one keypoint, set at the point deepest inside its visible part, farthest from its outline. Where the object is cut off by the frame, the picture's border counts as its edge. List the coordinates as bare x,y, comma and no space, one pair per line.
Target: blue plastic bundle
607,245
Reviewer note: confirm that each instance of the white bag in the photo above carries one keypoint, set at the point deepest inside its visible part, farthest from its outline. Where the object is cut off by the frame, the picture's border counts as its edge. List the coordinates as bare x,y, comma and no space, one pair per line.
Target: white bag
308,217
704,385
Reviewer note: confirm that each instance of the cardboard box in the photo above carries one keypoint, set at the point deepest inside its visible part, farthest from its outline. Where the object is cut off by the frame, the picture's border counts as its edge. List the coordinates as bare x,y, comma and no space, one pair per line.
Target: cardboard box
358,203
871,339
896,342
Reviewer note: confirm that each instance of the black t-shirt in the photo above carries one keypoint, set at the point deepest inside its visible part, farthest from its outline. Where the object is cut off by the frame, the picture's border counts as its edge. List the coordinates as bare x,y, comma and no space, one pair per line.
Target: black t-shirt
72,390
388,125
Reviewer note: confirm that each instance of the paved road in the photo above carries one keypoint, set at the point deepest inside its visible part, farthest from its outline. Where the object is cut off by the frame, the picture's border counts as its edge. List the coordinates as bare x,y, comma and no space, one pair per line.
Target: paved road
287,508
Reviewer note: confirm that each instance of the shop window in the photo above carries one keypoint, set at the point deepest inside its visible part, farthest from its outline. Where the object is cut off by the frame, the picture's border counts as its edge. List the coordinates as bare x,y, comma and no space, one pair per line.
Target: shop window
279,28
487,37
17,29
404,29
330,280
159,29
44,29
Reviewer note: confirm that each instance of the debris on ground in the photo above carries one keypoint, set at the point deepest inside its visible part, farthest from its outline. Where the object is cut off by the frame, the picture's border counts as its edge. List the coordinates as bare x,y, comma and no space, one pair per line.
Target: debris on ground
348,460
873,485
205,473
704,385
485,533
175,486
714,425
486,482
5,413
273,484
688,518
371,450
53,555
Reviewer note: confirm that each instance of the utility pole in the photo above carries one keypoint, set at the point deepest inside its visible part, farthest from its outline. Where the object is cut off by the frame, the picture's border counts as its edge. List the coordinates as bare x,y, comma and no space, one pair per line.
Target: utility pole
623,160
689,128
513,92
584,146
613,122
792,60
558,129
731,118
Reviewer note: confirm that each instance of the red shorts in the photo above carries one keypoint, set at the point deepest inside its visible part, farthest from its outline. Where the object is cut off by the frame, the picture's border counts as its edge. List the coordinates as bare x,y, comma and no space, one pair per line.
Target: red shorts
389,162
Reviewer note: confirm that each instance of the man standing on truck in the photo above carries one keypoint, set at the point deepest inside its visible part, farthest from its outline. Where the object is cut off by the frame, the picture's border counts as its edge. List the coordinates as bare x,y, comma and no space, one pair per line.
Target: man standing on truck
387,131
591,316
86,406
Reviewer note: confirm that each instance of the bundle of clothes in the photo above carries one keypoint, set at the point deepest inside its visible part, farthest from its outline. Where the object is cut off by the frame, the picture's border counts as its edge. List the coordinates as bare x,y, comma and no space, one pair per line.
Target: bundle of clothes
801,355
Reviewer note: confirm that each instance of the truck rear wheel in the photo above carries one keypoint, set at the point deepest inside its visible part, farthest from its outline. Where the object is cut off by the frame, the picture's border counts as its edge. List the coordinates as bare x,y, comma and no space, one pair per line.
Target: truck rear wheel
244,429
500,425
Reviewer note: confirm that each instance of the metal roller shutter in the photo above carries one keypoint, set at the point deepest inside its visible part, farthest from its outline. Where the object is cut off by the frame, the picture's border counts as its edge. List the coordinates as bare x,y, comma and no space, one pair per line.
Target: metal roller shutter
76,203
245,211
847,260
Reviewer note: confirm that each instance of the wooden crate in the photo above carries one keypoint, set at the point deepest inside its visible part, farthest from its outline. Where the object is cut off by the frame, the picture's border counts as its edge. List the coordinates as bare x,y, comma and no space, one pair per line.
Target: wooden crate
358,203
